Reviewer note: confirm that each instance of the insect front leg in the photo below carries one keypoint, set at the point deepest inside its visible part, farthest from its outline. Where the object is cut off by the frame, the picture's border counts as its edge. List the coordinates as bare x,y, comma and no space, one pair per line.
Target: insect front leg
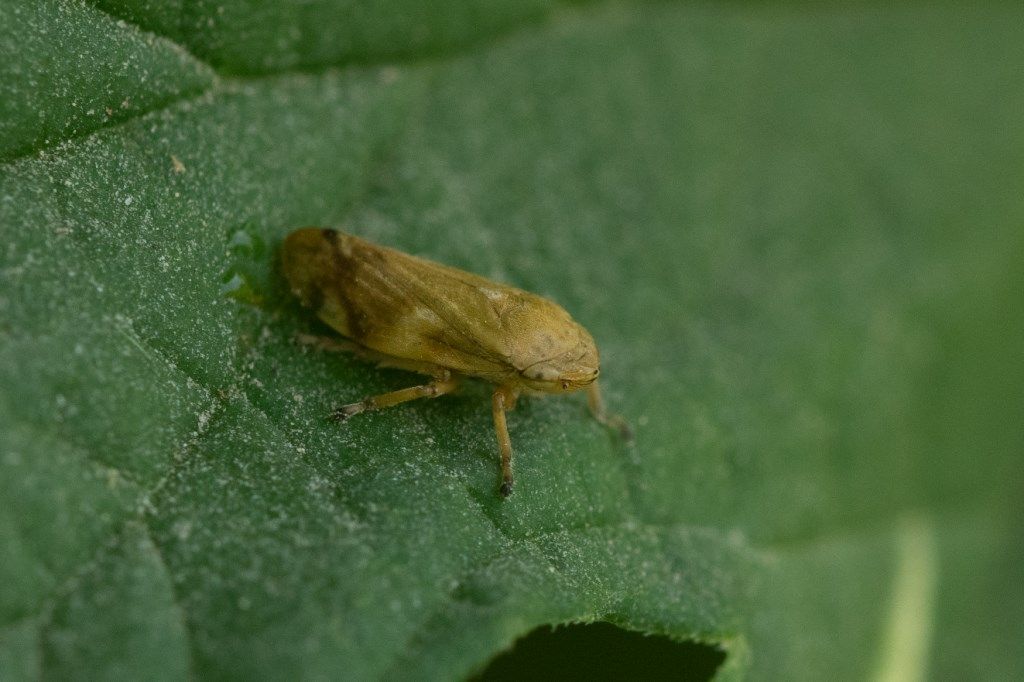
501,400
438,387
596,404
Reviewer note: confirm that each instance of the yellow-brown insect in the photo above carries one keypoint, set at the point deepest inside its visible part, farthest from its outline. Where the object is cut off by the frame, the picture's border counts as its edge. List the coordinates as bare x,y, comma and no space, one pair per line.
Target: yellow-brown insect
413,314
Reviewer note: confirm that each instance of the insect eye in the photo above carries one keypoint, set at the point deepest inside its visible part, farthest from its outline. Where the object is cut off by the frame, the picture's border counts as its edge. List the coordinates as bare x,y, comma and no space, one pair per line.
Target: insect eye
565,385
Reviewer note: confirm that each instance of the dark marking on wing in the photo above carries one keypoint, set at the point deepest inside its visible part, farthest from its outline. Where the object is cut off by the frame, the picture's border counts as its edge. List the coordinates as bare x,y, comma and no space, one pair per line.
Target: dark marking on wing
344,271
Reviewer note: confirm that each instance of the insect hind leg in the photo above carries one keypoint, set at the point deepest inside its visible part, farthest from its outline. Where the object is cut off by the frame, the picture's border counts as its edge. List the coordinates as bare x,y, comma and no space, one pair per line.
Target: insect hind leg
329,344
438,387
341,345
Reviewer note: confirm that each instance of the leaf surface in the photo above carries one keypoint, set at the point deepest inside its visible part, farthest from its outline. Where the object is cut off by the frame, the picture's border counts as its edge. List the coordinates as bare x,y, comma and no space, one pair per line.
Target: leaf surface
794,233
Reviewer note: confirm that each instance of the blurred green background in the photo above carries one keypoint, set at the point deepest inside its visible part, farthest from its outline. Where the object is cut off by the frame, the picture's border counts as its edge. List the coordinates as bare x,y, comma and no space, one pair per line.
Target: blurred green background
795,232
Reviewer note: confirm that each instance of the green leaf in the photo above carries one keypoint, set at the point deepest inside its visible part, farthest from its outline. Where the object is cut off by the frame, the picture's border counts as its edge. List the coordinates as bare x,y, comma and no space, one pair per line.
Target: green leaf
794,232
68,70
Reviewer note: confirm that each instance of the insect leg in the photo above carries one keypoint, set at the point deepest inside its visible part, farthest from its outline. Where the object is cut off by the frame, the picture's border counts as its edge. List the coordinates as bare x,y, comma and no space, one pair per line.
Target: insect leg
435,388
499,402
596,404
511,398
329,344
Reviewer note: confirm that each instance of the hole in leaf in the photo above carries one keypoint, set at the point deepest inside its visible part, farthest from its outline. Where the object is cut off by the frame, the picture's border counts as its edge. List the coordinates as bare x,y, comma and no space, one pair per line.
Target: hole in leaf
245,276
238,287
602,651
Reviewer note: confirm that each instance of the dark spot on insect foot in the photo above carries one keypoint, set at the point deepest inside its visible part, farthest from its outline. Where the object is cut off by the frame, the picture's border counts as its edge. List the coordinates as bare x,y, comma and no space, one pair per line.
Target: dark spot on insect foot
505,489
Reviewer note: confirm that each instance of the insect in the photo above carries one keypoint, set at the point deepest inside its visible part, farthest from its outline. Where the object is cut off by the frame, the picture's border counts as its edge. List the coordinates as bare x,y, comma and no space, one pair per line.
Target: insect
409,313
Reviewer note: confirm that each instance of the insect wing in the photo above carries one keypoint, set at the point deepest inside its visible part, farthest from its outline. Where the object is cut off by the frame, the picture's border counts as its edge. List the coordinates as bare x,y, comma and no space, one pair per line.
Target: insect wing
410,308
